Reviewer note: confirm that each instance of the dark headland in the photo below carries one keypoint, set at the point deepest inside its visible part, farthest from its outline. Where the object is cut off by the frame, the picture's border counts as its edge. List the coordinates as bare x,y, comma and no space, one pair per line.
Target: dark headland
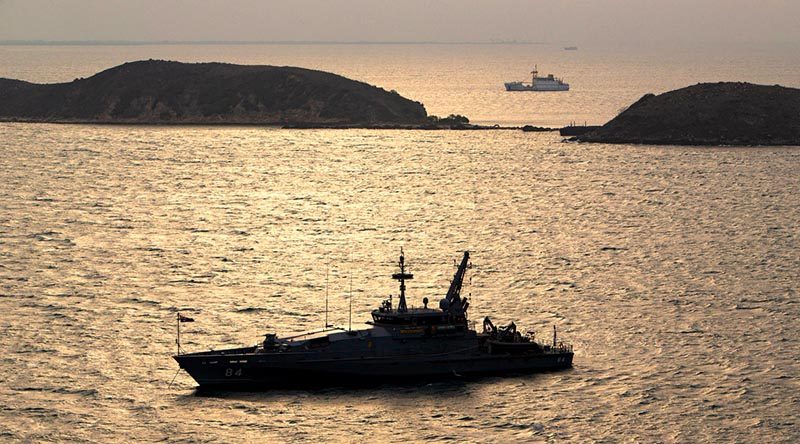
724,113
162,92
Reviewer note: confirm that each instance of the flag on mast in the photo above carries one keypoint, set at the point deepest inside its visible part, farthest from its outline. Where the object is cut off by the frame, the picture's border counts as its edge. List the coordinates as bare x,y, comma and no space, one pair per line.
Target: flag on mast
182,318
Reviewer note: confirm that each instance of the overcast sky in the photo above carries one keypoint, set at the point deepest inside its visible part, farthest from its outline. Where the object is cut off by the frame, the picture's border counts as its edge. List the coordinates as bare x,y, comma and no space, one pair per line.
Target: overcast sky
578,21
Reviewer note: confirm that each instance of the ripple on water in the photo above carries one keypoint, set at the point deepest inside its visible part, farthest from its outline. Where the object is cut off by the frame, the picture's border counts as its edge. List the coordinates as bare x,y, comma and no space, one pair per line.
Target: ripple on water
672,271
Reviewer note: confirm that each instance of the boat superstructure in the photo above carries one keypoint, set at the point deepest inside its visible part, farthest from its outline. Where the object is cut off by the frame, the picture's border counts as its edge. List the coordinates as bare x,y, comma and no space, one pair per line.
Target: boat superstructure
399,343
549,83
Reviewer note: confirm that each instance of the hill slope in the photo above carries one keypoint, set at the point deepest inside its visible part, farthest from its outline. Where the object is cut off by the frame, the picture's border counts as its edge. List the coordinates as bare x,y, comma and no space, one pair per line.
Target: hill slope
708,114
172,92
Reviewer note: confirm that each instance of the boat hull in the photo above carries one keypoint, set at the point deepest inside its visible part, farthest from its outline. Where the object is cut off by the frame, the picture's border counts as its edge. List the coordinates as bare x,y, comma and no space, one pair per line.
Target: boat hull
538,87
259,371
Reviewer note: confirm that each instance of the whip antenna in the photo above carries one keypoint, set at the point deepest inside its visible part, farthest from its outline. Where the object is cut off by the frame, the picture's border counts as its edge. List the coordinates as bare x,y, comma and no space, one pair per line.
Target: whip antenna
327,268
350,321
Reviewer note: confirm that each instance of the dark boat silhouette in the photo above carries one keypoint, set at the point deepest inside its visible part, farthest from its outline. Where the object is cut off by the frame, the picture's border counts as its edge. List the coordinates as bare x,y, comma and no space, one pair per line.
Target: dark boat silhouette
401,344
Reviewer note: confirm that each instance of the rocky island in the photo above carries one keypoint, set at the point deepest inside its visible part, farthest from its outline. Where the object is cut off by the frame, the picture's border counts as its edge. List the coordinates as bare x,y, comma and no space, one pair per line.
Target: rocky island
724,113
163,92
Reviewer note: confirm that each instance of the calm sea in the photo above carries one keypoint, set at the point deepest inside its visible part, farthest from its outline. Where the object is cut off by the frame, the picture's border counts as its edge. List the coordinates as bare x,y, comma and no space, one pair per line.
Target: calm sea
673,270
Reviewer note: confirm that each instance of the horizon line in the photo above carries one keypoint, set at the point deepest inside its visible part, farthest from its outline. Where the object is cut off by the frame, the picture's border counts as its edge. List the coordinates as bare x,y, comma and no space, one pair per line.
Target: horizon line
257,42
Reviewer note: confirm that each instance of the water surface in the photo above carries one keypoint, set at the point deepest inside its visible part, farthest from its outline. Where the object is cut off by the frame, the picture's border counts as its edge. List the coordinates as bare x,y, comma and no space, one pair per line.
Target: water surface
673,270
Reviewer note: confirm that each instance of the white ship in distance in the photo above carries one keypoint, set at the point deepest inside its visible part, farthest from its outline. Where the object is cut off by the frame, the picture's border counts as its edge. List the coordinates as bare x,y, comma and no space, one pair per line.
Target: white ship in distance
549,83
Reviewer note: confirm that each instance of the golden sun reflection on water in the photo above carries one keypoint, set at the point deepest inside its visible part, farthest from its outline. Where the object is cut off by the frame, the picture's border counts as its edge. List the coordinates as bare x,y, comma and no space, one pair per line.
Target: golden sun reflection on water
672,270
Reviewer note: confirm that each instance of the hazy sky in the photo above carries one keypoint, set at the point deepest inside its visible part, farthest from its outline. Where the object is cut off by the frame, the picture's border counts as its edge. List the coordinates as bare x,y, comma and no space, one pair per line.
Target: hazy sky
578,21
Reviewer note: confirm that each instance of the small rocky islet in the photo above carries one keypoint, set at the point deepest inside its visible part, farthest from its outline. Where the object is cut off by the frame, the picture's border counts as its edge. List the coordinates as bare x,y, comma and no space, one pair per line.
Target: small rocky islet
724,113
165,92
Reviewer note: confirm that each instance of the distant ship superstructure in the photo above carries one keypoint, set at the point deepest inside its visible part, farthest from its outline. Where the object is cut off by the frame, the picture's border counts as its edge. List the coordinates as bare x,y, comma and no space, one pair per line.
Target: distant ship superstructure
549,83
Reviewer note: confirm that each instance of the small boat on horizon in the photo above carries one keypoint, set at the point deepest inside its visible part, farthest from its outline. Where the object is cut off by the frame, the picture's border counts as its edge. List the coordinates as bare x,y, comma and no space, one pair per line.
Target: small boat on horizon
549,83
570,48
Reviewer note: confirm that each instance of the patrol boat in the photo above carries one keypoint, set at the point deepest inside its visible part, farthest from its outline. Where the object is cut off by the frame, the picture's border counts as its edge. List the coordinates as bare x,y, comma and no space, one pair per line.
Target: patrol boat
549,83
400,343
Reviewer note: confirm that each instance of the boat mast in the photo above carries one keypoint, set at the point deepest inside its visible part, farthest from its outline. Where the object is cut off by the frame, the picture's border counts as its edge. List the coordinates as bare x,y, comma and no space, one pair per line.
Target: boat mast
402,276
554,336
534,73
